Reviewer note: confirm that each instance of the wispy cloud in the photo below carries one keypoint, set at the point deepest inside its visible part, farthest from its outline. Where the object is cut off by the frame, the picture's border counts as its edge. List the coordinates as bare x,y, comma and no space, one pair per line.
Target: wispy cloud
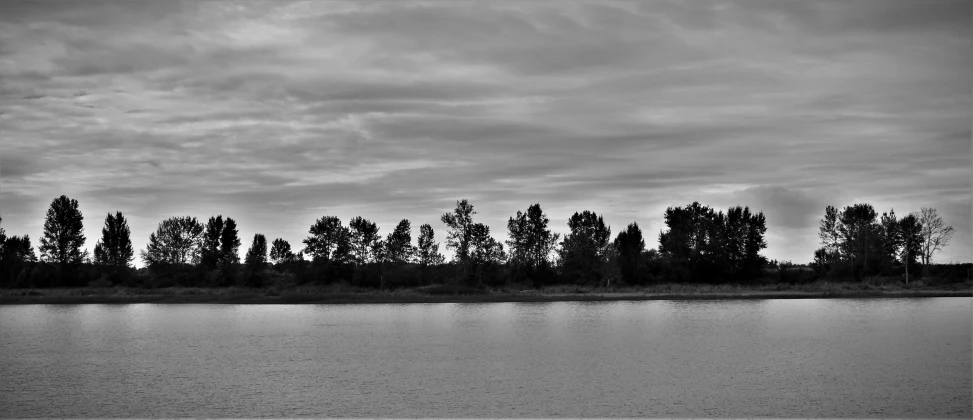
276,113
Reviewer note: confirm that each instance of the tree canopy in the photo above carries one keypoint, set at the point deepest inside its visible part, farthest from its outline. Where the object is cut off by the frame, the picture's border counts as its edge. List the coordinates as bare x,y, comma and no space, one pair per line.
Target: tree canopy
63,236
115,246
177,240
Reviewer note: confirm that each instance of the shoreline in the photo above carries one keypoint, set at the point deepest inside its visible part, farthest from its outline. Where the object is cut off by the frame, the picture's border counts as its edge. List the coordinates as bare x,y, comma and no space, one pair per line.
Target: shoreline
215,297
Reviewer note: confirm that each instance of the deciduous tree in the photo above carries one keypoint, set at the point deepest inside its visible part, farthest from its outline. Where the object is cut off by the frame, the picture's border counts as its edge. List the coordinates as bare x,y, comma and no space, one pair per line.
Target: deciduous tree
910,234
459,234
830,233
935,235
585,249
177,240
427,249
398,244
114,249
364,235
209,252
230,242
531,242
257,254
485,252
629,246
280,251
890,238
329,241
858,229
63,233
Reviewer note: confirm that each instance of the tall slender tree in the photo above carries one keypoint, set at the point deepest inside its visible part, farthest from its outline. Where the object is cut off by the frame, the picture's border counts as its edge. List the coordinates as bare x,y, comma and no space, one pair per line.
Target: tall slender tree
910,234
485,252
459,235
230,242
364,234
858,230
398,244
830,233
257,254
756,241
209,252
427,249
63,235
114,249
630,245
3,237
890,239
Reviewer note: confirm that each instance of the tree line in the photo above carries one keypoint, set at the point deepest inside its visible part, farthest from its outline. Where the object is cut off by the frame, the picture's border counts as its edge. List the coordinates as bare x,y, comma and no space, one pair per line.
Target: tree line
856,242
699,245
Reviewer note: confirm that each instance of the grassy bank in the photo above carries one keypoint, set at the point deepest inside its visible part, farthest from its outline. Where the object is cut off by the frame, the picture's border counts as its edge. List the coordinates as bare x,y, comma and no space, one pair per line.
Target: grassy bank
341,294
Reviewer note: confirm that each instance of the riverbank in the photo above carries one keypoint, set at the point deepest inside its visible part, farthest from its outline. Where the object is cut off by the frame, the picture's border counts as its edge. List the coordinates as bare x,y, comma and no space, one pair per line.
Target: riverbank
338,294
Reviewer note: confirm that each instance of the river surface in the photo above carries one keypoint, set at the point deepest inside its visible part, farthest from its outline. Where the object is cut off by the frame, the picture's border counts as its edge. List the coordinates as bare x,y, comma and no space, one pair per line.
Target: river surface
729,358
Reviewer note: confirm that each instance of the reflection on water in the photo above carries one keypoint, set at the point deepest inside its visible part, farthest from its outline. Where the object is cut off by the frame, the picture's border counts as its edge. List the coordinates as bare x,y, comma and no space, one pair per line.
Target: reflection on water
781,358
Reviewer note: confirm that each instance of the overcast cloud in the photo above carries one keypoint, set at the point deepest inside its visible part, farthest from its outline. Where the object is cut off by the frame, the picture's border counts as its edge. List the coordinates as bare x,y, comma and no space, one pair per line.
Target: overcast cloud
279,113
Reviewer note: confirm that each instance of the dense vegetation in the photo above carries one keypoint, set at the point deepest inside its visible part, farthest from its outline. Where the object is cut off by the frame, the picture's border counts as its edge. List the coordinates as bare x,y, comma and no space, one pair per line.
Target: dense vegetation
700,245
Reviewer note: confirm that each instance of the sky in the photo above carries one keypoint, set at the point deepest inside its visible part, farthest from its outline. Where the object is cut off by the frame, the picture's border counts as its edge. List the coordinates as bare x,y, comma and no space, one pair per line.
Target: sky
278,113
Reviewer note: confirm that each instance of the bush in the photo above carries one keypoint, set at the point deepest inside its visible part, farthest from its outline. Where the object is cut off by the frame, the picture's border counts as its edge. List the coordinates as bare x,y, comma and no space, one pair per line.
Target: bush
102,282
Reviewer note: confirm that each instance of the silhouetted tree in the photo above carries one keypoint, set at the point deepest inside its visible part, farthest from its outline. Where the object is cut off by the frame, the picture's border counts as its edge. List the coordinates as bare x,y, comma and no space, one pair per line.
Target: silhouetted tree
209,252
3,237
427,249
220,249
822,261
531,242
685,241
585,249
63,233
177,240
114,249
364,235
858,229
329,241
459,235
256,261
911,236
280,251
398,244
16,260
890,239
427,252
830,234
257,254
935,235
704,245
485,252
756,228
230,242
630,245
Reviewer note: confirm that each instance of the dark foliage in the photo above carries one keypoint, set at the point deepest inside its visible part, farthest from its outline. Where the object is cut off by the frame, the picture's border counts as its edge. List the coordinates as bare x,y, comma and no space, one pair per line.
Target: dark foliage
699,245
585,251
114,250
703,245
63,233
630,246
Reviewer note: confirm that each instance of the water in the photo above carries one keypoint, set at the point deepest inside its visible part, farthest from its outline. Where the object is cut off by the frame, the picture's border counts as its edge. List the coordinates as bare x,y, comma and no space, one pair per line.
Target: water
780,358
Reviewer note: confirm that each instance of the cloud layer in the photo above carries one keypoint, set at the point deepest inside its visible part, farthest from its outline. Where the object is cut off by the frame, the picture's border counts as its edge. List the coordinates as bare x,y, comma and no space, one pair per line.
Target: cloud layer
278,113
